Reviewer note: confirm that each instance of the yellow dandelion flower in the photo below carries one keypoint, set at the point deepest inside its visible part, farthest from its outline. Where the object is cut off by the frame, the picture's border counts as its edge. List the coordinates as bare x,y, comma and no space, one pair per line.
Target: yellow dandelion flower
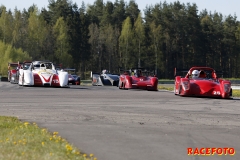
7,139
56,141
50,138
54,136
20,141
26,123
15,143
91,155
44,130
50,153
84,155
24,143
77,152
10,133
55,133
34,123
68,147
59,137
23,153
42,143
94,158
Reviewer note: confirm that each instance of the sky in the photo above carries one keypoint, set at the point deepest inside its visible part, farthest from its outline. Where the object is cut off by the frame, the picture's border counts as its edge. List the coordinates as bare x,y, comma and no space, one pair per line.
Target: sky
226,7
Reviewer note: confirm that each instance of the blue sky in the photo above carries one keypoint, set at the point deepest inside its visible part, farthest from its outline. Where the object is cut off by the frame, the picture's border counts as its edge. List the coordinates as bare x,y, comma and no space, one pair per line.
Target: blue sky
226,7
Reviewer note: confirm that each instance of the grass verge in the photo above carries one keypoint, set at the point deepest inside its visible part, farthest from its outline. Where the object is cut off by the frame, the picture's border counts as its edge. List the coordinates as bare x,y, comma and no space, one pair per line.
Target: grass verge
236,93
22,140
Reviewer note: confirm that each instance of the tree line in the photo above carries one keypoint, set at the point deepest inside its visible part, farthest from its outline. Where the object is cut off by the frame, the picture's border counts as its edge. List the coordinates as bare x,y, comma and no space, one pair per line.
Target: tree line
116,34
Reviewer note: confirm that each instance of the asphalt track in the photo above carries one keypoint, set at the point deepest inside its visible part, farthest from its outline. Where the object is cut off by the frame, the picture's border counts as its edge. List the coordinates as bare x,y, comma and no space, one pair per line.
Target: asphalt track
118,124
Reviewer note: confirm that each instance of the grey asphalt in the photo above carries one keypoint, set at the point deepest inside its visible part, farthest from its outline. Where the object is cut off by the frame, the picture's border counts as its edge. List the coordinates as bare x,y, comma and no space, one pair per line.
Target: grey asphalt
118,124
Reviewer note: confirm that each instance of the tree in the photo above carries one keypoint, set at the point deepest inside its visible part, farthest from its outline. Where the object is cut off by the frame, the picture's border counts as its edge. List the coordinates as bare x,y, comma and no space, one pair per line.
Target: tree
6,25
62,43
94,33
125,40
139,35
157,41
10,54
37,33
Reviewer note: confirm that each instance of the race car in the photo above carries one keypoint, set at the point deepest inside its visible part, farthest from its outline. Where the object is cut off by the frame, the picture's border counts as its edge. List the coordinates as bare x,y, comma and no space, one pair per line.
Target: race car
202,82
72,77
42,73
13,72
104,78
77,79
138,78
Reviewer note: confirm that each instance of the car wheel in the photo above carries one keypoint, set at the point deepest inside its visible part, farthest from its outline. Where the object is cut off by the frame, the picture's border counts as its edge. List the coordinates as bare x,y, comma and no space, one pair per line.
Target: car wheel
124,87
179,90
230,94
22,81
120,85
174,90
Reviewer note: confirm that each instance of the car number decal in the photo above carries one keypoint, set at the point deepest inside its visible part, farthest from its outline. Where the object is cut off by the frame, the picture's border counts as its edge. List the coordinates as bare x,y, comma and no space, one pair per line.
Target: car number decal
216,92
55,81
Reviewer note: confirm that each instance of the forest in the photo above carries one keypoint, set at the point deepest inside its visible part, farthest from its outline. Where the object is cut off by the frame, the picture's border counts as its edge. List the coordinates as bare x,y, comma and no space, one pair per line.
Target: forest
115,35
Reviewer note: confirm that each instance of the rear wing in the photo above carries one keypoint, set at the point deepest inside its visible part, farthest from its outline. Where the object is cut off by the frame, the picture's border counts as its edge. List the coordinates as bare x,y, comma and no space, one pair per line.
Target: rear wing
14,64
70,70
143,71
125,72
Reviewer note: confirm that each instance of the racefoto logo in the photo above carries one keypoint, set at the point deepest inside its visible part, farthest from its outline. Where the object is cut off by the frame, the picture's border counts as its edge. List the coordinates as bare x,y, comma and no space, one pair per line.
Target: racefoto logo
210,151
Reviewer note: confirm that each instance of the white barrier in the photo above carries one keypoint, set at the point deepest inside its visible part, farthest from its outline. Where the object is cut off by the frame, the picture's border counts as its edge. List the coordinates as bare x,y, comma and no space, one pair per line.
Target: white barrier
236,87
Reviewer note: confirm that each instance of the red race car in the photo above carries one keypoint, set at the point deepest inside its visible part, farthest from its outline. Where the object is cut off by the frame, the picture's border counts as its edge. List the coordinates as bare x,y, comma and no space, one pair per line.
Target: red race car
202,81
138,79
13,72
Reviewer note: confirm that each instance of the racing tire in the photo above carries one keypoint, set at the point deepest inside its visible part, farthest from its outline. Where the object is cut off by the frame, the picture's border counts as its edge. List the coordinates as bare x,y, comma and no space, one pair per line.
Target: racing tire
120,85
124,87
9,78
174,90
179,90
230,94
22,80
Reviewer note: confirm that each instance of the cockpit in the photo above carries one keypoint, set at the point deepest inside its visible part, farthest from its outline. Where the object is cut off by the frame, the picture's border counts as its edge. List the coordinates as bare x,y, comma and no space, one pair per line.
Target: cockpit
43,66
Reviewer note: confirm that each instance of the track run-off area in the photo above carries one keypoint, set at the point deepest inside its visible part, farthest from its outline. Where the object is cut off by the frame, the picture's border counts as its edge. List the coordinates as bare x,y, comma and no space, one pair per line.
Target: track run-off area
118,124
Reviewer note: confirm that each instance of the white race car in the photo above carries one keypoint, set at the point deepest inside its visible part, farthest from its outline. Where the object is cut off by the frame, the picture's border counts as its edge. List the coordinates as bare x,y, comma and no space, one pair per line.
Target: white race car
104,79
42,73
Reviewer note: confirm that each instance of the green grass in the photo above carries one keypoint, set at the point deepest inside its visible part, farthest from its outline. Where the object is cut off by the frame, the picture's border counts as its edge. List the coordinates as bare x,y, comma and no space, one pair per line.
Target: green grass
165,88
232,79
22,140
236,93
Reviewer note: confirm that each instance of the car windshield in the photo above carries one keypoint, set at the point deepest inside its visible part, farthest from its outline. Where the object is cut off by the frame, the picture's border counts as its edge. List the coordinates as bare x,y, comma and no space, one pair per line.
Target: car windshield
37,66
203,74
48,65
26,66
75,76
